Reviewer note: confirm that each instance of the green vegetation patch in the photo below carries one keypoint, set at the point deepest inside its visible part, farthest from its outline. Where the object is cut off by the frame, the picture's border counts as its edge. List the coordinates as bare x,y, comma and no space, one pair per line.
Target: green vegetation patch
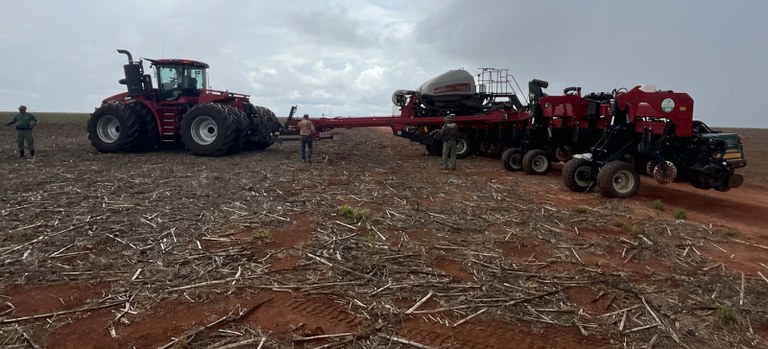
355,214
726,315
619,223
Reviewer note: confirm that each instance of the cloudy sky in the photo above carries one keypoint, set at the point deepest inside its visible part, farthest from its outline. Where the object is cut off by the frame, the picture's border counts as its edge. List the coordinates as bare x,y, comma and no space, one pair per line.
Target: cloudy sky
345,58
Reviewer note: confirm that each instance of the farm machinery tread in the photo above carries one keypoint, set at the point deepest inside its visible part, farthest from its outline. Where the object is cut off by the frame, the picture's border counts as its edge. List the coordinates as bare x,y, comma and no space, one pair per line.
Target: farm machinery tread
210,129
114,128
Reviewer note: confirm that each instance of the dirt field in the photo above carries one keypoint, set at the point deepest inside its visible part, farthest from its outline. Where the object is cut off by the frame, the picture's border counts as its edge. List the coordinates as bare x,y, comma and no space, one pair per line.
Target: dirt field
166,249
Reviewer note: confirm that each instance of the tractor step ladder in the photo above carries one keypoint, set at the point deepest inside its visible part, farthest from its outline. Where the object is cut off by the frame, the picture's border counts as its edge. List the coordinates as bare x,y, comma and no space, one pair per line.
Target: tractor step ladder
168,124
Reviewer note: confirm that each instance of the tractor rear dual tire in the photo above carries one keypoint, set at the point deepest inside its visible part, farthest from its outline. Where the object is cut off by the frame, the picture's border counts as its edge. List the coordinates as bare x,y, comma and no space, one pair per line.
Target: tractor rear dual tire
243,128
114,128
266,124
149,134
209,130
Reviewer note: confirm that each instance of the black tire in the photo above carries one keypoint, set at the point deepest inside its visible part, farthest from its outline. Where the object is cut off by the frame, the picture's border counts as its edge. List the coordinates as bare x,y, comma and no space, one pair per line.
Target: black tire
717,175
113,128
463,146
699,181
243,126
579,175
270,118
149,134
563,153
436,148
649,166
209,130
265,126
536,162
722,188
512,159
618,179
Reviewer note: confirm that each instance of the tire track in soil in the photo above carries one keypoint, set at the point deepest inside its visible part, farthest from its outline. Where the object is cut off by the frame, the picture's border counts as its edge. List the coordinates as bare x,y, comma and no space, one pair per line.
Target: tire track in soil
496,334
318,315
451,267
40,299
152,327
289,238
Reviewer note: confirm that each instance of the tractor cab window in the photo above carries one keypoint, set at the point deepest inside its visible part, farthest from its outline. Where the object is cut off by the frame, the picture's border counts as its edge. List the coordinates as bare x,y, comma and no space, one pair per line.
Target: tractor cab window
194,78
192,81
175,81
168,79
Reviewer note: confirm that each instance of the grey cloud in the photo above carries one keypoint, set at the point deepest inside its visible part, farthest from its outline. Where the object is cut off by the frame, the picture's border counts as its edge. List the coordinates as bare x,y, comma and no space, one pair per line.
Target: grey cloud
347,57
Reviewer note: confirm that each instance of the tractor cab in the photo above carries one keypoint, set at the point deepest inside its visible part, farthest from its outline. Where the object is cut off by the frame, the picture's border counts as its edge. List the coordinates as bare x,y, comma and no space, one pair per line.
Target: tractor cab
176,78
179,77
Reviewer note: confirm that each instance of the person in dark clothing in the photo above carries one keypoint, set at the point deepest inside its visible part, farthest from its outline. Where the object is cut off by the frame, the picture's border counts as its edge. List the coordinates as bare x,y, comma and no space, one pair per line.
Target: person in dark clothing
449,134
25,122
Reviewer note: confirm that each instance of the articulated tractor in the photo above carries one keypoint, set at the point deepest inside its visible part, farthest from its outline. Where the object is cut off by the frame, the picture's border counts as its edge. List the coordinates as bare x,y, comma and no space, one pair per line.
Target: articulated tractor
180,108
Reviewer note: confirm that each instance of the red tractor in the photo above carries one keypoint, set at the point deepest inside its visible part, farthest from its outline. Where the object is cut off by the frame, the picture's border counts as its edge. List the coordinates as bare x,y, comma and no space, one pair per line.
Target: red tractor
653,131
181,108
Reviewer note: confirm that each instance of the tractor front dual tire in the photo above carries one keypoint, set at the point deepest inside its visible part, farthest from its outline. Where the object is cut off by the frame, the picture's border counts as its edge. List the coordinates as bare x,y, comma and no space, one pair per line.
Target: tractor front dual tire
209,130
618,179
536,162
114,128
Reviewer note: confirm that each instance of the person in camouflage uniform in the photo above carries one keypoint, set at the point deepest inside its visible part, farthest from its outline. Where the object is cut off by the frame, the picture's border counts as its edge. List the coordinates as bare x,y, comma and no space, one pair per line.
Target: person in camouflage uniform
449,134
25,122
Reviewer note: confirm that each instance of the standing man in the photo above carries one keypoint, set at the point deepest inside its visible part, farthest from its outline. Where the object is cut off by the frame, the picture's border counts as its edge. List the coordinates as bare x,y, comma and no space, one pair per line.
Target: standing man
449,134
306,129
25,122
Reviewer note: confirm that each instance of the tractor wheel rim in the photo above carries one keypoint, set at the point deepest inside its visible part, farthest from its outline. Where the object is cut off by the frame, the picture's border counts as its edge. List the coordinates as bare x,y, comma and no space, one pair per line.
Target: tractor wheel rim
582,176
515,161
461,146
539,163
108,129
204,130
623,181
